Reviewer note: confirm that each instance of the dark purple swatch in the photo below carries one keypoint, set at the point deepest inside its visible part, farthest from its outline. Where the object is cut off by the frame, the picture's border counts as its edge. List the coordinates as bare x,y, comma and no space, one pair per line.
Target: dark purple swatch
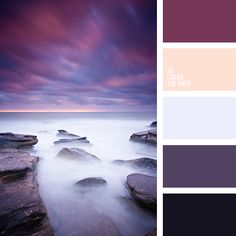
199,20
199,214
199,166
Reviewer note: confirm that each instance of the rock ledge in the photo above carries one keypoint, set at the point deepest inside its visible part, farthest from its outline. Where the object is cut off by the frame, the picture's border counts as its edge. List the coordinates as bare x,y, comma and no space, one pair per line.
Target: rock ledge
21,210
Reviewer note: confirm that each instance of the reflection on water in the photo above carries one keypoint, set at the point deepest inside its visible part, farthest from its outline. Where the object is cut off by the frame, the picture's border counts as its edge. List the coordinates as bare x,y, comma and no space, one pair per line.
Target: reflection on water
74,212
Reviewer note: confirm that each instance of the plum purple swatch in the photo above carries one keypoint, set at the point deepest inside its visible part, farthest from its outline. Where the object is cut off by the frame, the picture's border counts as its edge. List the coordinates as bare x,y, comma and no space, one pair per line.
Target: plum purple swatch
199,166
199,21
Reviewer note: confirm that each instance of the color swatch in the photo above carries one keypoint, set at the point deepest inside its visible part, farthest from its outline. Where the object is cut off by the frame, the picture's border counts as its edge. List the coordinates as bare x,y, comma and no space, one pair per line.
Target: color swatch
199,69
199,214
199,21
199,166
199,118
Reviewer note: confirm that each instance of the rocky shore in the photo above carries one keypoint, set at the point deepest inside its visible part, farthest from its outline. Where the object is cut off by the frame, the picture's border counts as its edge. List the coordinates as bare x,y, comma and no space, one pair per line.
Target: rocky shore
141,187
22,211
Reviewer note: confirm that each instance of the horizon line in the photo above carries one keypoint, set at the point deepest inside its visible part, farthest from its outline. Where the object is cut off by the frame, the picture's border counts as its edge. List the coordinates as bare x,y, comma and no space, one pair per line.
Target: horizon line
55,111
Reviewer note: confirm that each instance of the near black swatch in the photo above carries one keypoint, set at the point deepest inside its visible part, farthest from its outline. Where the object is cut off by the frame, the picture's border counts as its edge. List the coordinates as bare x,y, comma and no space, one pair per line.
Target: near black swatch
199,214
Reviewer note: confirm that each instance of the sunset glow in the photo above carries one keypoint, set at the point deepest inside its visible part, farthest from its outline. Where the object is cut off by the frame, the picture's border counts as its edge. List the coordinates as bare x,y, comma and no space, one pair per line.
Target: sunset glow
65,110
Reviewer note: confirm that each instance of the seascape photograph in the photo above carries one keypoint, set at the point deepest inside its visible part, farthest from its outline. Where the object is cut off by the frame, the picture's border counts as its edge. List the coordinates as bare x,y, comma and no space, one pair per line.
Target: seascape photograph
78,126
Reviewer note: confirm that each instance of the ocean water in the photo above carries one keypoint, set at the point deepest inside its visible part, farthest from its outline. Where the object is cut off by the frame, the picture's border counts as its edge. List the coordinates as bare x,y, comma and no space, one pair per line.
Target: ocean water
71,211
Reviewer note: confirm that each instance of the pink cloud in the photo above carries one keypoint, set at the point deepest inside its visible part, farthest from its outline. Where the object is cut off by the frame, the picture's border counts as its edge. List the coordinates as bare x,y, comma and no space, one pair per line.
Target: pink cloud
72,51
89,38
129,80
20,81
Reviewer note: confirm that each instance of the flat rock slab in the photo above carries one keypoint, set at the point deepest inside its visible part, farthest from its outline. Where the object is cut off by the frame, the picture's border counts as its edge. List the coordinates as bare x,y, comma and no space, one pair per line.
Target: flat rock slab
91,182
77,154
143,189
14,165
21,209
148,136
69,138
62,132
10,140
142,163
82,140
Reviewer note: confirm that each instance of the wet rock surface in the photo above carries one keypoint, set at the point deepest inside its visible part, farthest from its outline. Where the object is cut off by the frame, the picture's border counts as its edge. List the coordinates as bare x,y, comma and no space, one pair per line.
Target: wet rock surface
142,163
77,154
143,189
11,140
21,209
148,136
91,182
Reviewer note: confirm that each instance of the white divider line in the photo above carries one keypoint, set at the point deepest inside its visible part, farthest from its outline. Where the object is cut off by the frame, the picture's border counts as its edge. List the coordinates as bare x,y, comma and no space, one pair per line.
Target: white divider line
199,45
200,190
159,118
206,94
199,142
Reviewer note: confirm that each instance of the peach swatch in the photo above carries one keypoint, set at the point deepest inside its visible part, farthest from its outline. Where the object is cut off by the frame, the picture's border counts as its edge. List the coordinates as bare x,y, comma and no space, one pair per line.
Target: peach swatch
199,69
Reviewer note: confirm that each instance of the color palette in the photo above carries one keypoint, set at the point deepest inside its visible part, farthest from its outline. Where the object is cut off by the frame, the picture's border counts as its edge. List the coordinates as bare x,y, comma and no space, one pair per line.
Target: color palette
198,132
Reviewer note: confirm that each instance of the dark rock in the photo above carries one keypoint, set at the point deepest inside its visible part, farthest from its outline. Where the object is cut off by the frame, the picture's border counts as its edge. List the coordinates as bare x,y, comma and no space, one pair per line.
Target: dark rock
143,189
143,163
62,132
81,140
21,209
153,124
77,154
92,182
148,136
10,140
153,233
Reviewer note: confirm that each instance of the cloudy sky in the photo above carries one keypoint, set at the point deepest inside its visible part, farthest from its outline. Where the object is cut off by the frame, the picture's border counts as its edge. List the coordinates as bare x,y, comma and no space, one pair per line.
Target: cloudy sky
78,55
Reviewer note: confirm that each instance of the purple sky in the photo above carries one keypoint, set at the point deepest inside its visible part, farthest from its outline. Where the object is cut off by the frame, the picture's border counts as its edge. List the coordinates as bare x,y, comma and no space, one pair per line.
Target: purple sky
83,55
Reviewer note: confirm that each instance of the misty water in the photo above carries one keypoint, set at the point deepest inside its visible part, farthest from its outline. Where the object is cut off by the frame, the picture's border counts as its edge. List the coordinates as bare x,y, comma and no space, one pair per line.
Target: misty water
72,212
